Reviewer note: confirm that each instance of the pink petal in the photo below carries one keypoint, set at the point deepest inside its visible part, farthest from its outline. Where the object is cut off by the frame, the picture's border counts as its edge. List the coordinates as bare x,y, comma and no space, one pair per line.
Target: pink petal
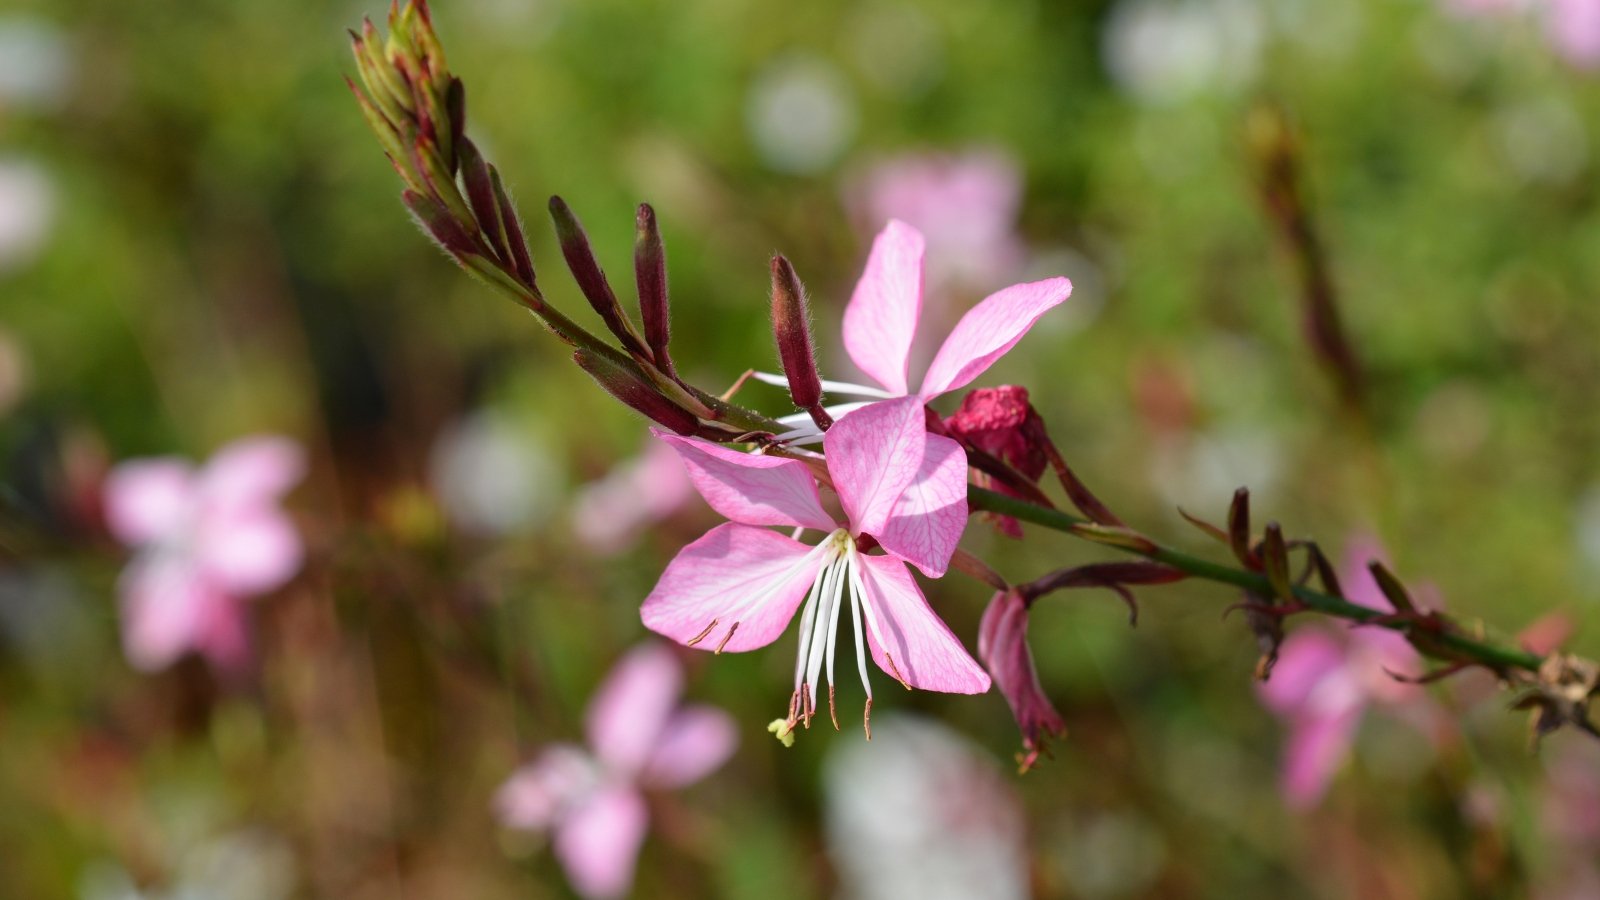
1304,660
1356,577
252,471
165,605
224,637
536,794
148,499
1317,747
749,488
630,710
598,843
926,524
874,454
925,652
249,553
988,331
734,574
696,742
882,316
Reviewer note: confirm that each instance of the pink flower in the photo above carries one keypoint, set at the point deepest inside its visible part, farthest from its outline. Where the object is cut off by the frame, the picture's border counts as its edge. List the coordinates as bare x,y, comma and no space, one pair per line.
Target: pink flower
206,540
1573,29
881,322
608,514
966,205
737,587
1324,682
639,738
1003,647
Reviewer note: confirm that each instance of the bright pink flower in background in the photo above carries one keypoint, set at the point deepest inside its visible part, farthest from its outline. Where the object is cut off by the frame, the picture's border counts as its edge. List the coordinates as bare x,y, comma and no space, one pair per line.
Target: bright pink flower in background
1572,27
609,514
737,587
639,738
1569,817
207,539
881,322
1324,682
965,205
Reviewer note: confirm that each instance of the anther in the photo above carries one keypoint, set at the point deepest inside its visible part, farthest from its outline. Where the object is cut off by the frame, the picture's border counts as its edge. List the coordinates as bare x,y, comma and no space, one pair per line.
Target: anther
702,635
726,638
833,711
895,671
866,718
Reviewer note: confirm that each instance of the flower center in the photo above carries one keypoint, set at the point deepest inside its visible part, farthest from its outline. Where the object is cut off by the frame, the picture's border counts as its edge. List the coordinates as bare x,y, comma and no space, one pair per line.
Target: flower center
838,576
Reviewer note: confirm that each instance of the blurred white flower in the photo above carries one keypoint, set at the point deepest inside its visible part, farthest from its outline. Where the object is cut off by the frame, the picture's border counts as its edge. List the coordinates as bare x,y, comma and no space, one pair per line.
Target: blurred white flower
1165,51
27,210
492,478
1543,139
249,864
34,63
1200,471
801,114
920,812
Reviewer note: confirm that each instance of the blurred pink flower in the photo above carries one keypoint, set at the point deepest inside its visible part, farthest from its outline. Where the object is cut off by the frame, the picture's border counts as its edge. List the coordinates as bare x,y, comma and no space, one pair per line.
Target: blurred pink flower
206,539
1324,681
609,514
737,587
1572,27
1569,817
964,204
639,738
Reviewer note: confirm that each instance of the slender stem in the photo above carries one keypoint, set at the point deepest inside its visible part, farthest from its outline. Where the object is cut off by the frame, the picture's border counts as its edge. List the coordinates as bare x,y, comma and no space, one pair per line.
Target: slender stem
1497,657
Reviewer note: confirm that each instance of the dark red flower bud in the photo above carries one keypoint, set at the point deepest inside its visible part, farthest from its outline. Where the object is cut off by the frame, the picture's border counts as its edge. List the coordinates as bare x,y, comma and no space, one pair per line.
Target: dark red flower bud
1003,648
629,386
791,326
650,273
591,280
437,221
1000,421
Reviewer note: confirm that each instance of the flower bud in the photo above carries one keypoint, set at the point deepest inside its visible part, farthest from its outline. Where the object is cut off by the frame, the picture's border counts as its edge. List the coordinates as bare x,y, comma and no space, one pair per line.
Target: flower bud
650,274
1003,648
591,280
791,327
634,390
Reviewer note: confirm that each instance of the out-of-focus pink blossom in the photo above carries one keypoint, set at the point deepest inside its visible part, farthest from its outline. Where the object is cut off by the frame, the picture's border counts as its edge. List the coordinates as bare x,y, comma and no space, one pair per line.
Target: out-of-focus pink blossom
639,739
1572,27
1325,681
207,539
965,204
1569,816
609,514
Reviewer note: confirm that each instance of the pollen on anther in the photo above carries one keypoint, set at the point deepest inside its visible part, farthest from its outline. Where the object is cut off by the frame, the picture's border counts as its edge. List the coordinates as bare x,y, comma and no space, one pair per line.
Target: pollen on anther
701,636
895,671
833,710
726,638
866,718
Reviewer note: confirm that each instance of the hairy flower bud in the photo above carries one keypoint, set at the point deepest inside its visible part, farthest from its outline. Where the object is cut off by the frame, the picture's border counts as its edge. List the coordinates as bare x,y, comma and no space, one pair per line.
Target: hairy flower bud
791,326
650,274
591,280
632,389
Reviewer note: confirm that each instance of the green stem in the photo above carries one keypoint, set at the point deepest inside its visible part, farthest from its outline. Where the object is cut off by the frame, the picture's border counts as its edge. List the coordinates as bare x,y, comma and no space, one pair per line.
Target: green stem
1496,657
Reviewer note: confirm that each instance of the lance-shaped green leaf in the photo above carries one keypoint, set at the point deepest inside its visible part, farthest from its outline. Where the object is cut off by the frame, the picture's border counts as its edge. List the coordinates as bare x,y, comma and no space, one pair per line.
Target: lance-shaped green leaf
634,390
650,274
590,278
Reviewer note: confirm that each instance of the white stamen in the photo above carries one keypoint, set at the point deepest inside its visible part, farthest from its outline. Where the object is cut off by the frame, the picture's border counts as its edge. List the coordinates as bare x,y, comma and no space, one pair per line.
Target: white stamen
861,643
820,640
838,387
807,620
866,602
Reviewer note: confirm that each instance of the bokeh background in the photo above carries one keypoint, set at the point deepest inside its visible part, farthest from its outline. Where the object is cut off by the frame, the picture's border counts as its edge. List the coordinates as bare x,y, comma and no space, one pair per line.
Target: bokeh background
199,240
